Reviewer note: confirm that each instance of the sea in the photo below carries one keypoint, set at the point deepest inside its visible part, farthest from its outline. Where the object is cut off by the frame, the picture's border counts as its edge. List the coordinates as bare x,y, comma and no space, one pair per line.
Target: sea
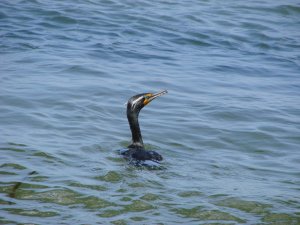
228,129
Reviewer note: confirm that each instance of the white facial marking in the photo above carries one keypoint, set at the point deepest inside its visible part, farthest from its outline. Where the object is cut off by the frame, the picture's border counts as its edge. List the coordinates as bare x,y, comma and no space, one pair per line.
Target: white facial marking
135,101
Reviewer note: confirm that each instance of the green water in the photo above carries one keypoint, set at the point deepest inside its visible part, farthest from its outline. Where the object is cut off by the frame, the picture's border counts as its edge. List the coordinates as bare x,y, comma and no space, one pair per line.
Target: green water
229,128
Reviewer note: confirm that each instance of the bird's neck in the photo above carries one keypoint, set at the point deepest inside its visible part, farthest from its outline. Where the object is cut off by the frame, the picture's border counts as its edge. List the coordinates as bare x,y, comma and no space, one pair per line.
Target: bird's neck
137,140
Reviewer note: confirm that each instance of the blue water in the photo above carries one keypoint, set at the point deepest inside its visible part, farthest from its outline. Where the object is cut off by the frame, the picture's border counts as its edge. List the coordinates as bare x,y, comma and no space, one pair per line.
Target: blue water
229,128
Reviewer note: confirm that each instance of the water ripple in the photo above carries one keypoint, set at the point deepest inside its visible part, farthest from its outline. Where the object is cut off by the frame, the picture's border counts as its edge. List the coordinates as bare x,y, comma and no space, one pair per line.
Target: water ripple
228,129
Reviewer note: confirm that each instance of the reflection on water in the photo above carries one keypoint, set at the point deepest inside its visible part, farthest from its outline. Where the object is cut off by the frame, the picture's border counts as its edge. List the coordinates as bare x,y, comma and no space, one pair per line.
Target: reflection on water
228,130
125,194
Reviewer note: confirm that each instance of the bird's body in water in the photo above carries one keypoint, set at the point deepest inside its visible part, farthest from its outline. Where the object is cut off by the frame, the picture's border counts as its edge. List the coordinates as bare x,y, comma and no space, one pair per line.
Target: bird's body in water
136,152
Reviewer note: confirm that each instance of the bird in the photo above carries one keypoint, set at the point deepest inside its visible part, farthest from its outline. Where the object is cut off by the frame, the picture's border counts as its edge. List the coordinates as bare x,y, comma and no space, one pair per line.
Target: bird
136,152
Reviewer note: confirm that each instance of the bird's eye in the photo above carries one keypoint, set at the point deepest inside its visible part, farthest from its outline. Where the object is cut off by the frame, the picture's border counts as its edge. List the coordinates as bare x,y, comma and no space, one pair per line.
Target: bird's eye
146,99
147,96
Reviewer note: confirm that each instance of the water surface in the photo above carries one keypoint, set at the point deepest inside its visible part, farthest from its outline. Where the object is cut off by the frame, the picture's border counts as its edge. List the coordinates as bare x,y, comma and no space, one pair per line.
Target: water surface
229,128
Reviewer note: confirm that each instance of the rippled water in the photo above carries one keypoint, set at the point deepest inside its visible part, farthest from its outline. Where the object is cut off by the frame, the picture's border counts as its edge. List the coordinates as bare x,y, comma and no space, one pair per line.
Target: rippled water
229,129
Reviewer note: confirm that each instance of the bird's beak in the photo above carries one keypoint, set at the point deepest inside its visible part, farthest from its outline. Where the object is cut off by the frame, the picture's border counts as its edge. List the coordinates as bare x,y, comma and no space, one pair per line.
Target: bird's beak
153,96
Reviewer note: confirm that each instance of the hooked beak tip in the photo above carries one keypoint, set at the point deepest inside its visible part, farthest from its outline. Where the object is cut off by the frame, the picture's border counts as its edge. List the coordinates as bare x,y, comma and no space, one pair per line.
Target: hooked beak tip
158,94
161,93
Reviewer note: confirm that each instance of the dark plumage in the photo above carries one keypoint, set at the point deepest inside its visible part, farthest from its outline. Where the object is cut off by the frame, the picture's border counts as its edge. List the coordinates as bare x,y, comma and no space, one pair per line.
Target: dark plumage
136,151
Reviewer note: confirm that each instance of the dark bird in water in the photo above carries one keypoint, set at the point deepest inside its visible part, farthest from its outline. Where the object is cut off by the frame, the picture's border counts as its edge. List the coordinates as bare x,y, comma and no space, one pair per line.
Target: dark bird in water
136,152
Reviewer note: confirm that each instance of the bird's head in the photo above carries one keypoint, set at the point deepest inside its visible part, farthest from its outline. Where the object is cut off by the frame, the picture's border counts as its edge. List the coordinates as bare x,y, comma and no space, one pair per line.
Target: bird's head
137,102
